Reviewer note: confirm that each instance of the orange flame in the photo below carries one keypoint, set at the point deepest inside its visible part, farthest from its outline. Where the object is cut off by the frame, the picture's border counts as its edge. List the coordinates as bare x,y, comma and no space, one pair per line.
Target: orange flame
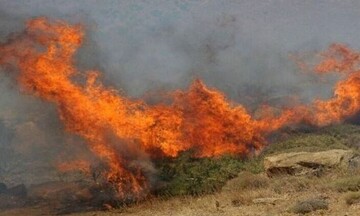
200,118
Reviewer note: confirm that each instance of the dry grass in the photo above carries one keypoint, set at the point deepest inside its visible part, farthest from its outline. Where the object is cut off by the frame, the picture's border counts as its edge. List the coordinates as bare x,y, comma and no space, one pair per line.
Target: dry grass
237,197
352,198
247,180
351,183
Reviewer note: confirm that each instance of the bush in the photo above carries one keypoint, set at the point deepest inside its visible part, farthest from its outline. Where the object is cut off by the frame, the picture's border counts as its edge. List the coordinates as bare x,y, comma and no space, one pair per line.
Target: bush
352,198
310,205
186,175
253,165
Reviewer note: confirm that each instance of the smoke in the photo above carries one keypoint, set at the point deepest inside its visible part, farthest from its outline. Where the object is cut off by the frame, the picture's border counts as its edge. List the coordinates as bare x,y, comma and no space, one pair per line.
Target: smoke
147,46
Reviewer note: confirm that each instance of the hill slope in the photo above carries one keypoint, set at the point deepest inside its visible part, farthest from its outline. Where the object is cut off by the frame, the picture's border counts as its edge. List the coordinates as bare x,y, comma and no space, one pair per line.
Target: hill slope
233,186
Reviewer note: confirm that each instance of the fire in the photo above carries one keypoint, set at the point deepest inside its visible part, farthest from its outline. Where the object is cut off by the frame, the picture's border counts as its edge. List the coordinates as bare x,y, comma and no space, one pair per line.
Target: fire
117,129
346,100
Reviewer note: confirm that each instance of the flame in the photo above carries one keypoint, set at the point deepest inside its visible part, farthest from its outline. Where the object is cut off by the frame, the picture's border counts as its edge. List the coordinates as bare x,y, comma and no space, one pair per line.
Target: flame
346,99
199,118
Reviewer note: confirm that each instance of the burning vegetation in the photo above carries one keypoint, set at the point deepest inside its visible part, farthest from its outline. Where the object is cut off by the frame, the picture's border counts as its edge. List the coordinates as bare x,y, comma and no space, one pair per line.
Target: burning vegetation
124,132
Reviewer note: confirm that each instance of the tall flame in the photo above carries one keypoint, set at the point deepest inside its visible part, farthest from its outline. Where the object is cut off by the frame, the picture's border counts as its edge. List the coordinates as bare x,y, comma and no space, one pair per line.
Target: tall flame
199,118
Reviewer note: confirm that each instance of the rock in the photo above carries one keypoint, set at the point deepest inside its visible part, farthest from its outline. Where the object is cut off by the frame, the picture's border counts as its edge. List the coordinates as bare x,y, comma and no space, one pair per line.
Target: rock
267,200
301,163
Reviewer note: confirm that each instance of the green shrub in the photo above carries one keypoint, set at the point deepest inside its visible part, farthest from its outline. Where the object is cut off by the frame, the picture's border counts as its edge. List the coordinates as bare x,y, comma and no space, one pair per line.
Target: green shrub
186,175
253,165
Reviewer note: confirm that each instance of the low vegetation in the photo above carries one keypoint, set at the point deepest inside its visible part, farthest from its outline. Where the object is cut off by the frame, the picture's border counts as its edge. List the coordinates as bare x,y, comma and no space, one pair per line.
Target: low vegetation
309,205
239,186
351,183
247,180
189,176
333,137
186,175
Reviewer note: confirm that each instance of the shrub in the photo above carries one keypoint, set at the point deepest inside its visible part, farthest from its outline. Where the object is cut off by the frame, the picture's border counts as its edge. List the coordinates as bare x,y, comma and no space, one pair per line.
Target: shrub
253,165
186,175
310,205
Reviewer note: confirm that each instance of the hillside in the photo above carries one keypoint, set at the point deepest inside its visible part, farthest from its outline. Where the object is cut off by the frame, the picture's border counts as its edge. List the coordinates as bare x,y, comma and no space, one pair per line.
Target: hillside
235,186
